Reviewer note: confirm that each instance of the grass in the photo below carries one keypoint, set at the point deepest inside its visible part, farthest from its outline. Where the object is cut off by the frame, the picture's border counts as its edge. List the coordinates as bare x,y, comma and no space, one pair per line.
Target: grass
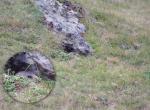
11,81
26,90
115,77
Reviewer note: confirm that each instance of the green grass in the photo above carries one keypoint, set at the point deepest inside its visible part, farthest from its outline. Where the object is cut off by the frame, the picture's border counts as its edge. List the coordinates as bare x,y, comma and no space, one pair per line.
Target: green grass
27,90
10,81
115,77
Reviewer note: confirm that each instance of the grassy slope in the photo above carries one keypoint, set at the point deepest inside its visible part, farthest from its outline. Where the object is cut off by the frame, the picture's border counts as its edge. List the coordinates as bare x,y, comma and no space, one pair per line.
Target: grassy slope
114,78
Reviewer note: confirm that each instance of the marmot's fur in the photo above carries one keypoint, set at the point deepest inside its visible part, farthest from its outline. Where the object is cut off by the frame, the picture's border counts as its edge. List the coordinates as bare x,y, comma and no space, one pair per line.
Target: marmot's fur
30,64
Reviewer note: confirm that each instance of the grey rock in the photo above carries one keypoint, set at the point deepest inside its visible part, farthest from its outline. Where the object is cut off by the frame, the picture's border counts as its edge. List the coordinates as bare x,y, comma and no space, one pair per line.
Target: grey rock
76,43
63,17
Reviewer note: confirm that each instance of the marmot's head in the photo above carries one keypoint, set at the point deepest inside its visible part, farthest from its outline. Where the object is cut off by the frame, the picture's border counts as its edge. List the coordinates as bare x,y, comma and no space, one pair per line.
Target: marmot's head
45,66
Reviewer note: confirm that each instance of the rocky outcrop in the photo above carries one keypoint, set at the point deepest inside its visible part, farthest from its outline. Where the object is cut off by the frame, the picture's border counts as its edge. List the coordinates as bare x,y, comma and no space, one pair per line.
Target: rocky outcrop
30,65
63,17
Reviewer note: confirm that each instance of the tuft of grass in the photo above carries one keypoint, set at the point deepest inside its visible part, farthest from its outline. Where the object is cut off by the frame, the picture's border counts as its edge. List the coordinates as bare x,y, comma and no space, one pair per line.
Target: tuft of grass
12,82
27,90
60,55
147,75
100,16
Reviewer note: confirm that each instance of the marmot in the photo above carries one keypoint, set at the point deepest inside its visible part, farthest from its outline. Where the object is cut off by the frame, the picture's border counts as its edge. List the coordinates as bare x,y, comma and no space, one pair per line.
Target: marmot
30,64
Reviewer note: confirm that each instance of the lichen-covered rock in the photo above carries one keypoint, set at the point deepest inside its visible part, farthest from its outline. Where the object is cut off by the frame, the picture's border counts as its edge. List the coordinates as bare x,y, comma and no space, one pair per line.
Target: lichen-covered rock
64,17
30,64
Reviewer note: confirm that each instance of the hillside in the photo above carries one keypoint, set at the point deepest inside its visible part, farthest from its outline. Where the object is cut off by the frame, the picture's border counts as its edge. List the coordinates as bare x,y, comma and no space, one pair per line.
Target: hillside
115,77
